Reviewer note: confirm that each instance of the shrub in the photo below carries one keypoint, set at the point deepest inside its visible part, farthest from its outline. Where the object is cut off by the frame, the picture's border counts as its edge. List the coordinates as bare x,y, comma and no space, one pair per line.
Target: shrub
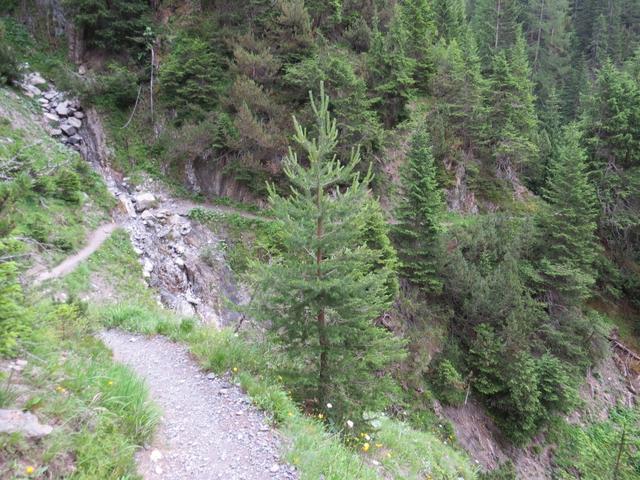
449,384
68,185
118,86
8,59
12,314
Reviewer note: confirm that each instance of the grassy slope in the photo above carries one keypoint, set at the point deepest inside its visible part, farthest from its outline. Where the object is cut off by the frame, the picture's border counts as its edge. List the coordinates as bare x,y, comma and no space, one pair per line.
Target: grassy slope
100,411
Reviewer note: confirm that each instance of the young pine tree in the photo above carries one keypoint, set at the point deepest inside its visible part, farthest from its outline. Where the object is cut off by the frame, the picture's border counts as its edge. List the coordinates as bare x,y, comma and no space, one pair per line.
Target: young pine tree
568,225
418,215
322,295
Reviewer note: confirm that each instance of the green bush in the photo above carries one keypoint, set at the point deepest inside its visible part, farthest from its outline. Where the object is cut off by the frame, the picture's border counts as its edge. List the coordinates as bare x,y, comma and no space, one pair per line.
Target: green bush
12,314
117,86
505,471
68,185
8,59
449,385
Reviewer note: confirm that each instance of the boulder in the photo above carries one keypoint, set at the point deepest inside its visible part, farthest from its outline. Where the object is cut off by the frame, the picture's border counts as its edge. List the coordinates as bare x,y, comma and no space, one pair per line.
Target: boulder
74,122
79,115
62,109
145,201
68,130
75,139
50,95
33,90
25,423
36,79
52,117
82,70
147,268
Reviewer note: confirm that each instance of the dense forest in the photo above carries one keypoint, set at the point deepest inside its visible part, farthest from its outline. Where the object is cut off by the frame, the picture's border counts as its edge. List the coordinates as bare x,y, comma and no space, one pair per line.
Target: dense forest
455,184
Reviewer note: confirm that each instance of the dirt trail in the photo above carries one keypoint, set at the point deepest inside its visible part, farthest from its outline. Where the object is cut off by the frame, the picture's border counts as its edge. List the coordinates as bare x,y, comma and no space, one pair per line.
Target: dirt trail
95,240
209,429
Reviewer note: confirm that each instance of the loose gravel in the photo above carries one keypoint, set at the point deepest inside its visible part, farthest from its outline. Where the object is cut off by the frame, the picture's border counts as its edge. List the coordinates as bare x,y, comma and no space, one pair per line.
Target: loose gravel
209,428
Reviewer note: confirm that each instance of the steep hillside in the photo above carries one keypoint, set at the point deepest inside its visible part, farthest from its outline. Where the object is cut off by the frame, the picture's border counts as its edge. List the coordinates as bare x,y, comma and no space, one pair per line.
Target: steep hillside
466,264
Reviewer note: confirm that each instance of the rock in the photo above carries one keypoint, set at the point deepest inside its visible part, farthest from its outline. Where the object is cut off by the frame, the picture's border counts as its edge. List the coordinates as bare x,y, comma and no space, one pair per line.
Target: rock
35,91
25,423
36,79
211,376
156,455
78,115
147,268
185,229
274,468
43,101
184,308
62,109
68,130
124,205
50,95
60,297
146,215
179,262
144,201
75,139
82,70
74,122
52,117
55,132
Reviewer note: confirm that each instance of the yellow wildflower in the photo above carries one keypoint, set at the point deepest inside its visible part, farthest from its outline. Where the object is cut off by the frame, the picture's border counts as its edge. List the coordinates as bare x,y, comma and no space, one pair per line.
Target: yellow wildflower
320,416
378,445
29,470
290,414
235,369
110,382
365,447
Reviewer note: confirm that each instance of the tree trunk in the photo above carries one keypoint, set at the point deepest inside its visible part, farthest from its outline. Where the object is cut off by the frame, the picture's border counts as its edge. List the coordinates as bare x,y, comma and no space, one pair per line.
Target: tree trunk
323,377
498,13
535,60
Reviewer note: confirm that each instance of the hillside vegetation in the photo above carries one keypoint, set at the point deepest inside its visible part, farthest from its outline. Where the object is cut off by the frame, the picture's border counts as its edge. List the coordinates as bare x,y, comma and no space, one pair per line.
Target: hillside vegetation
448,200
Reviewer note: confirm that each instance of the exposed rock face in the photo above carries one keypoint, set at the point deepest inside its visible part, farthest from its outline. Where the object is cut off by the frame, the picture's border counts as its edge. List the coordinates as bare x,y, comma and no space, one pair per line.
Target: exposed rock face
24,423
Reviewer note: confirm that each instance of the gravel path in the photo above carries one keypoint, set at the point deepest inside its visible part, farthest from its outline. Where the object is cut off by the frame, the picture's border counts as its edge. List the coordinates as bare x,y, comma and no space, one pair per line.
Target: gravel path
95,240
209,429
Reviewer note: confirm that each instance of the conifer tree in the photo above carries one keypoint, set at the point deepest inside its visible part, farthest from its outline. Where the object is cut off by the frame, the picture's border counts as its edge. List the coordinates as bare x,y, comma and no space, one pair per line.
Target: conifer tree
495,23
568,225
418,22
449,16
459,115
391,70
418,214
321,296
513,114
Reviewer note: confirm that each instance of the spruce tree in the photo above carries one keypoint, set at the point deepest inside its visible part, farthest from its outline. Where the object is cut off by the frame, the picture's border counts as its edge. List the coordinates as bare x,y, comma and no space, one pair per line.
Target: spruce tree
320,297
418,22
449,16
391,70
567,226
495,23
513,115
418,214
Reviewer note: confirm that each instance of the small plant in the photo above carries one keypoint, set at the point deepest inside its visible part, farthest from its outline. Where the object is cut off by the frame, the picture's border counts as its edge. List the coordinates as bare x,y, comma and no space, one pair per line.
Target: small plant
449,384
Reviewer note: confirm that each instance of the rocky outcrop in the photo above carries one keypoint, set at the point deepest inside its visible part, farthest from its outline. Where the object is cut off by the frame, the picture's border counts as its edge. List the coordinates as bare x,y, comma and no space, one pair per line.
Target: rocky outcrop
63,116
23,423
